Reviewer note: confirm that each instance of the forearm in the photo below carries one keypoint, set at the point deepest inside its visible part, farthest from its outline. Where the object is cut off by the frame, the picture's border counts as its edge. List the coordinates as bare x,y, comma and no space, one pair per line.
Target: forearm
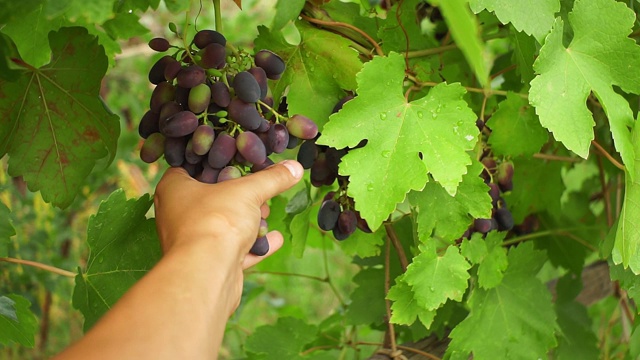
178,310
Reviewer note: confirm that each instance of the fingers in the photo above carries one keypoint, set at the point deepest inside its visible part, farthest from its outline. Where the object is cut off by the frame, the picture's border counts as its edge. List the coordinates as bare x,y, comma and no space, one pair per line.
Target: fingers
275,243
272,181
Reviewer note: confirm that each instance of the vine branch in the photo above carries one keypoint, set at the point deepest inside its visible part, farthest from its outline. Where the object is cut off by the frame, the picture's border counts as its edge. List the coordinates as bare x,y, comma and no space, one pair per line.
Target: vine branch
387,285
348,26
41,266
393,236
607,155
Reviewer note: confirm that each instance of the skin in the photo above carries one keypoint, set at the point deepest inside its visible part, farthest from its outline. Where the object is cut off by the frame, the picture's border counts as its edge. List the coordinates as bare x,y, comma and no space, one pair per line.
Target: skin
180,308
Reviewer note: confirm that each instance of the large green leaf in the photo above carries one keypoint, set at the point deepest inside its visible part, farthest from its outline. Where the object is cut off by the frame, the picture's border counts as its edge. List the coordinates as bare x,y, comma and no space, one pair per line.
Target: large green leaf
318,70
55,127
124,246
283,340
17,322
514,320
439,127
598,58
533,17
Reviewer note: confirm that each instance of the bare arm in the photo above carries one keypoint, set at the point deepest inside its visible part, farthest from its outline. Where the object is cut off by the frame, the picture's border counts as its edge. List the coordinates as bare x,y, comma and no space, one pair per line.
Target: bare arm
180,308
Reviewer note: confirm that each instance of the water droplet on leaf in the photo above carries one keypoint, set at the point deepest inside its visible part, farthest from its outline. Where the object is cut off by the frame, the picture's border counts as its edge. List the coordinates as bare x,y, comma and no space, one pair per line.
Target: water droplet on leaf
383,116
386,153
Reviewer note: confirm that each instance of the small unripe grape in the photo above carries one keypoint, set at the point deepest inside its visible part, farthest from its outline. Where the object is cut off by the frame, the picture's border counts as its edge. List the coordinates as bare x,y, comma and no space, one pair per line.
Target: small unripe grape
199,98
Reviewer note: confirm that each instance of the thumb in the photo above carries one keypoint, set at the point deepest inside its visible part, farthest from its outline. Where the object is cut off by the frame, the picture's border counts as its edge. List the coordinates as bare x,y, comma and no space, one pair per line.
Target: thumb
271,181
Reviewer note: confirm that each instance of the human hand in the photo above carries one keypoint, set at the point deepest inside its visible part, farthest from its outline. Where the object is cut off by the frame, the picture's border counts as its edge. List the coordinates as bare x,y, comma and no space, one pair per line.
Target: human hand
226,214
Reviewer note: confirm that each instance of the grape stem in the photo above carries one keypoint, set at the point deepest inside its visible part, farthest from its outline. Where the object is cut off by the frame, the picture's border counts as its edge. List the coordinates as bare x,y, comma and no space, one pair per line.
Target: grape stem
391,233
279,118
487,92
348,26
38,265
607,155
561,232
218,15
187,47
391,335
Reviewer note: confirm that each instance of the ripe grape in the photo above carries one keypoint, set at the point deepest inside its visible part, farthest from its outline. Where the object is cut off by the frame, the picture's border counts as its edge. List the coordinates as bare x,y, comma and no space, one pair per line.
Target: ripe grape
220,94
257,167
180,124
203,138
504,218
260,246
152,148
213,56
156,74
148,124
278,138
208,175
171,69
328,215
163,93
347,222
505,176
159,44
191,76
261,77
302,127
182,96
244,114
222,151
206,37
251,147
338,234
362,224
246,87
174,148
192,170
307,154
482,225
169,109
272,64
293,141
229,173
189,155
199,98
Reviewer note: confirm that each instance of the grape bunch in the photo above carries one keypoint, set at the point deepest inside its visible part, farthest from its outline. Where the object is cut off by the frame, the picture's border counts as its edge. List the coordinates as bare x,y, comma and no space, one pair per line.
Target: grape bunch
337,212
212,114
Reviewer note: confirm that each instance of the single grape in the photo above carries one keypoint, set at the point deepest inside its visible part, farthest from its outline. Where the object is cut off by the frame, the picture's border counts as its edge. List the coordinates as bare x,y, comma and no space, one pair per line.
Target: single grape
302,127
251,147
307,154
182,97
156,74
168,110
338,234
206,37
347,222
257,167
328,215
260,246
293,142
333,158
180,124
163,93
192,169
264,137
261,77
246,87
213,56
189,155
199,98
505,176
265,125
191,76
152,148
494,192
341,103
362,224
278,138
504,218
222,151
174,148
229,173
171,69
220,94
480,124
272,64
208,175
203,138
148,124
320,172
159,44
244,114
482,226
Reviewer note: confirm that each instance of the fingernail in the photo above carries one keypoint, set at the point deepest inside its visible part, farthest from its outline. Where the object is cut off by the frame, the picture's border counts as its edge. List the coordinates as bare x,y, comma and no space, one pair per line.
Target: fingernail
296,171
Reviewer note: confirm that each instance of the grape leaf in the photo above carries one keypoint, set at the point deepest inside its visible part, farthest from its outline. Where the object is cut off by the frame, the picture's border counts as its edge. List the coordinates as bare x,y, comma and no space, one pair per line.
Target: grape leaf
524,54
515,128
438,126
597,59
7,51
405,308
17,323
474,249
350,13
284,340
514,320
629,281
311,71
57,128
626,248
492,267
465,31
93,12
6,229
367,300
286,10
124,26
123,245
397,38
362,244
533,17
127,5
455,213
299,228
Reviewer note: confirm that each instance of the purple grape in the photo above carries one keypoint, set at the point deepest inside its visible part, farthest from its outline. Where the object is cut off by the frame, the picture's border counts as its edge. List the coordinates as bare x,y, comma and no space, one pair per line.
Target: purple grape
251,147
261,77
320,171
258,167
494,192
152,148
174,149
208,175
272,64
504,218
168,110
148,124
191,76
159,44
222,151
206,37
260,246
171,69
265,125
302,127
362,224
328,215
190,156
307,154
220,94
278,138
203,138
482,226
347,222
213,56
244,114
182,96
192,169
505,176
163,93
246,87
199,98
341,103
156,74
229,173
338,234
180,124
263,229
293,142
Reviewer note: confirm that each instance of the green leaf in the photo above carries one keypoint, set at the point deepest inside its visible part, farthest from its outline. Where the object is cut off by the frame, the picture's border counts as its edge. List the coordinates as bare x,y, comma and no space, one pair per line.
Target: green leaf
6,229
12,10
284,340
57,128
524,54
124,26
533,17
597,59
626,248
405,308
299,202
177,6
434,279
474,249
515,128
364,245
311,71
454,213
492,267
299,229
17,323
466,33
93,12
629,281
514,320
124,246
367,300
439,126
286,10
7,51
395,37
